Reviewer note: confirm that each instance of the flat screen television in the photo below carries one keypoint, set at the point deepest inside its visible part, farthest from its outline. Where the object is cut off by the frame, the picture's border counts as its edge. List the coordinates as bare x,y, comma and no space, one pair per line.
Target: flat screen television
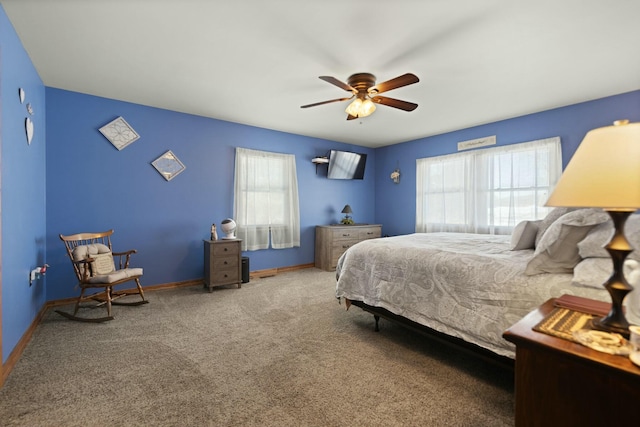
346,165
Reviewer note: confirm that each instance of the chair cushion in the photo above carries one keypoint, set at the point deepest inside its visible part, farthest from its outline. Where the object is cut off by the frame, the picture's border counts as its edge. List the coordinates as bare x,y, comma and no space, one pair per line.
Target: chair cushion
117,275
81,252
101,254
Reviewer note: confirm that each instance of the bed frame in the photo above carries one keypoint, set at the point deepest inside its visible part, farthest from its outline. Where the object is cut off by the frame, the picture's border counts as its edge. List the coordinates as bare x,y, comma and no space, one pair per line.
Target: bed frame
475,350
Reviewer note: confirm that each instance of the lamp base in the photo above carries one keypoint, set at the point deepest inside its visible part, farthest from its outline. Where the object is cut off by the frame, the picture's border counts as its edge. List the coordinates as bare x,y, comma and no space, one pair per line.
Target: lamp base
601,324
617,285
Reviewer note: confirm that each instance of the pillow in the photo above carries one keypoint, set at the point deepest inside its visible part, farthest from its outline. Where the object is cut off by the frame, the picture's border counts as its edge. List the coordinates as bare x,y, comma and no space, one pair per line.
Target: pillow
593,245
557,251
593,272
82,251
524,235
548,220
103,259
102,264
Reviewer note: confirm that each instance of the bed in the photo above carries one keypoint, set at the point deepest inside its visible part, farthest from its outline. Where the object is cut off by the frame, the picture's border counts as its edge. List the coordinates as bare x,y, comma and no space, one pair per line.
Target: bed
472,287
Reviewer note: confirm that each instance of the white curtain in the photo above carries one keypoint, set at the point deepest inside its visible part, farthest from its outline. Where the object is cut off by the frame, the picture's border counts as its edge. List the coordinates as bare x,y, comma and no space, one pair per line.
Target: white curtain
266,206
486,191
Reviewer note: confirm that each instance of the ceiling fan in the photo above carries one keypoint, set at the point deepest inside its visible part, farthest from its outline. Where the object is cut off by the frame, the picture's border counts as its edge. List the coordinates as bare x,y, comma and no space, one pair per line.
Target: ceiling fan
365,91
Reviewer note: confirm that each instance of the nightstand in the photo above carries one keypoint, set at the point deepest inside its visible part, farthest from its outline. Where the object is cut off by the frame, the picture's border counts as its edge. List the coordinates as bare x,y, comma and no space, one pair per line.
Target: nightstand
562,383
222,263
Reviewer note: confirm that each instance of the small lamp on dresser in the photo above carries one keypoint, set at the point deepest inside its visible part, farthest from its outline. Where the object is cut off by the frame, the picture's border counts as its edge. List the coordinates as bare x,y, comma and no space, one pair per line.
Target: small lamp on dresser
604,173
347,220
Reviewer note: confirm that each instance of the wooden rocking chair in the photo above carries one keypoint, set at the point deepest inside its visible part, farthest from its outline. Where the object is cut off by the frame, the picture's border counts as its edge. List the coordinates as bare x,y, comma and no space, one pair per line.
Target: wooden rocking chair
97,267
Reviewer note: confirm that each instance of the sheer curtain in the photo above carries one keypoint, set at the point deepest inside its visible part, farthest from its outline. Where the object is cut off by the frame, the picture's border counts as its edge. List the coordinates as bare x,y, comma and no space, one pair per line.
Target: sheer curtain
266,206
486,191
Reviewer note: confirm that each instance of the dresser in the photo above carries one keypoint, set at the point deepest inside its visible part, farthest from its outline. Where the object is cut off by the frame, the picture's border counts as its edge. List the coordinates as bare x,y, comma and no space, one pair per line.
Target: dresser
333,240
562,383
222,263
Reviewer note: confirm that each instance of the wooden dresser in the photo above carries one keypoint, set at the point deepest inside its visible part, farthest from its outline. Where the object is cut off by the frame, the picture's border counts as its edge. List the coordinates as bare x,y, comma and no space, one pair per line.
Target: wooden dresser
333,240
222,263
562,383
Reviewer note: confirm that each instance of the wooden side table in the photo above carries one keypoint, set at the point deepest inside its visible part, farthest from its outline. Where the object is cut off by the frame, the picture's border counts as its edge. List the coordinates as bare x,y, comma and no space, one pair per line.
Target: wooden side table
222,263
562,383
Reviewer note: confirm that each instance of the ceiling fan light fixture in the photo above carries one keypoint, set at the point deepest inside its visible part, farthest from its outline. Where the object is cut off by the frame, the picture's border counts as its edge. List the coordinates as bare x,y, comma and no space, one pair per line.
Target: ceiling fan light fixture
361,108
366,108
354,108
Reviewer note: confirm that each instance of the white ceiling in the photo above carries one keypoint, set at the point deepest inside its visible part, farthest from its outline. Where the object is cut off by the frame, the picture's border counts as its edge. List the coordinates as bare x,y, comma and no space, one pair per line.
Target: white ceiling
256,62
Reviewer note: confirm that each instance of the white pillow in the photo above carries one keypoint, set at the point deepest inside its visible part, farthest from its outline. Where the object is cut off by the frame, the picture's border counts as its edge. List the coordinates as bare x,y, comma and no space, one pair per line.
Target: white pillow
81,252
593,245
593,272
557,251
524,235
103,259
548,220
102,264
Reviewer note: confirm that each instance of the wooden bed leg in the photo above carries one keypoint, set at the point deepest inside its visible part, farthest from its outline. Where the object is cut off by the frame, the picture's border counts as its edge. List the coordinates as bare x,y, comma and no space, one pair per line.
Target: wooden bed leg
377,318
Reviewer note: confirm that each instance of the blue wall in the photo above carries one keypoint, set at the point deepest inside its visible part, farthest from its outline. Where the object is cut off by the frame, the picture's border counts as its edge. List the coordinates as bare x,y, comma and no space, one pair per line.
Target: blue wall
23,188
396,203
91,186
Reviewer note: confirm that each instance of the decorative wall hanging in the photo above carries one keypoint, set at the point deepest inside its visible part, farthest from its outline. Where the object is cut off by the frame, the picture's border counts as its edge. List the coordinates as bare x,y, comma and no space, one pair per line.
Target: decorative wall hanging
395,176
168,165
119,133
28,127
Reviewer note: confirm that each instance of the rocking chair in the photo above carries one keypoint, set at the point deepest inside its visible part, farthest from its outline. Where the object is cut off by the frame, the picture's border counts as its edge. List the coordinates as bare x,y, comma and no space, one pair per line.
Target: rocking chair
97,267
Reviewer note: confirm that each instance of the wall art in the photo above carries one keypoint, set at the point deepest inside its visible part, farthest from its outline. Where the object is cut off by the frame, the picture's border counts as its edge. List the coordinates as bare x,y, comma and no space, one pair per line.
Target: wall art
28,127
168,165
119,133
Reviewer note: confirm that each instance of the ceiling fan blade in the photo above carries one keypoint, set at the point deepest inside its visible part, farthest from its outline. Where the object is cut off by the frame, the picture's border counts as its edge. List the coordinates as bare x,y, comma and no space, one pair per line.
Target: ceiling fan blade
350,117
338,83
403,80
395,103
325,102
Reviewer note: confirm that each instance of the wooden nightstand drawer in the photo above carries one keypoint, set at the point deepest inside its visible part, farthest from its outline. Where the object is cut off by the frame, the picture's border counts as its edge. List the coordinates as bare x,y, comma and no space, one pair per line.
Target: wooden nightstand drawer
226,276
226,248
370,233
340,235
225,262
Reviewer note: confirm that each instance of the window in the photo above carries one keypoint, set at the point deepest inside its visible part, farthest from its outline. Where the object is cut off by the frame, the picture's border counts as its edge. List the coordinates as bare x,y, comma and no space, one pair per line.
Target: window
486,191
266,200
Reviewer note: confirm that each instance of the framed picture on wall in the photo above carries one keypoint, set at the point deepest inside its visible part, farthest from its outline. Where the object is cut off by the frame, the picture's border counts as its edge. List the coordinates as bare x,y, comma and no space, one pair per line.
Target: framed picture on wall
119,133
168,165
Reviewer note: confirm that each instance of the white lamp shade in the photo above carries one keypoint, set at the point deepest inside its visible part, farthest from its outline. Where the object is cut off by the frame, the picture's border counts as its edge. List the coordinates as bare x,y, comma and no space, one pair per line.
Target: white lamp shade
604,172
366,108
354,107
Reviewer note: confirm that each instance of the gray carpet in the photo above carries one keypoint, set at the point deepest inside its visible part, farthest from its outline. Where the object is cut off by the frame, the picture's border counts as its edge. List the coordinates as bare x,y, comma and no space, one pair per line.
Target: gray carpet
280,351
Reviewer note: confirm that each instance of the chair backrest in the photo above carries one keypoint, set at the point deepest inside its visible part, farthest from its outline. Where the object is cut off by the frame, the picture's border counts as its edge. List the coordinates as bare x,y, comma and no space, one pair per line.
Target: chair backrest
72,241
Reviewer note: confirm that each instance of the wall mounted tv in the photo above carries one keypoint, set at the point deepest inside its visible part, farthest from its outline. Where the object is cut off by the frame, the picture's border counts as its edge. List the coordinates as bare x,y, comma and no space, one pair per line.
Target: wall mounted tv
346,165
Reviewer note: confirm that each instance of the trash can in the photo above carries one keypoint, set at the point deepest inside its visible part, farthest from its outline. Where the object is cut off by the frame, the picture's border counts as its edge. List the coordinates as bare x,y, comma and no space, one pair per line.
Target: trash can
245,269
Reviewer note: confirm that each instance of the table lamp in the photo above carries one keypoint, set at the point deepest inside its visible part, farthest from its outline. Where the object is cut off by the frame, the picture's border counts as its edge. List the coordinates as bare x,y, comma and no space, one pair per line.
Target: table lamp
604,173
347,215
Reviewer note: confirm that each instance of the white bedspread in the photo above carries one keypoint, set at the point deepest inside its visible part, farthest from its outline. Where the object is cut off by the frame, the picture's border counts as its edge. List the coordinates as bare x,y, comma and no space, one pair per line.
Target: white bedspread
471,286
